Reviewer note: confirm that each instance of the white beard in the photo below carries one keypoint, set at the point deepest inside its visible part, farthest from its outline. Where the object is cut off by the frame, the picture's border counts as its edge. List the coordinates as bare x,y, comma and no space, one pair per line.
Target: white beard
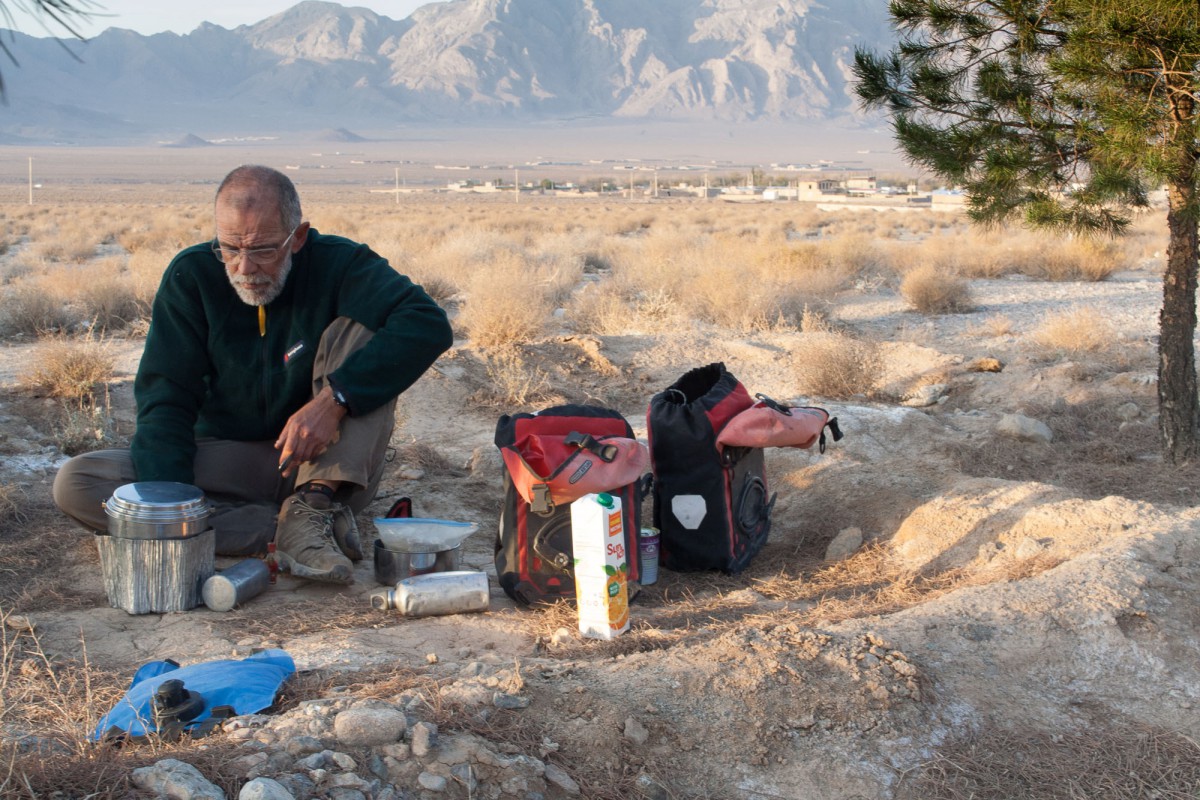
258,290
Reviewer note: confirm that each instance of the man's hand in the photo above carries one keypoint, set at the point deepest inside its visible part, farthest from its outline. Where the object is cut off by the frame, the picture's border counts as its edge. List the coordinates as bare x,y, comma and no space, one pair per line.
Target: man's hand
309,431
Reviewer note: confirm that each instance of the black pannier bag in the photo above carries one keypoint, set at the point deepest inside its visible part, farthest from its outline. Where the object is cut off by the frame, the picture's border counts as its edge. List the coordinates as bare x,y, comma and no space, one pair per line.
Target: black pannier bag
711,504
551,458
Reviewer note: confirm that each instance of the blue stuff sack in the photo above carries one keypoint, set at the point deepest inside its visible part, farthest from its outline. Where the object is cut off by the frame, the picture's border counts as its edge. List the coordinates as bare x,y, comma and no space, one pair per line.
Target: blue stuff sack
226,688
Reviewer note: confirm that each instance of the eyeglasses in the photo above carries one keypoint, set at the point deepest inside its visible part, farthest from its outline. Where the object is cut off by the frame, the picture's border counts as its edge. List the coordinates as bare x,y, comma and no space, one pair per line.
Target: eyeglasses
257,255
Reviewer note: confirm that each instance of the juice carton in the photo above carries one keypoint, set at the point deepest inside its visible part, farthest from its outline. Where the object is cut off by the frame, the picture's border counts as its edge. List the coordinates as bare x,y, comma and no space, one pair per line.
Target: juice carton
601,566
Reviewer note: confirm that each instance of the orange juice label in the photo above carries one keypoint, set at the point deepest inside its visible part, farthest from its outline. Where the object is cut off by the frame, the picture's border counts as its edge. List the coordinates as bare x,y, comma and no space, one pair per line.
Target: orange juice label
614,524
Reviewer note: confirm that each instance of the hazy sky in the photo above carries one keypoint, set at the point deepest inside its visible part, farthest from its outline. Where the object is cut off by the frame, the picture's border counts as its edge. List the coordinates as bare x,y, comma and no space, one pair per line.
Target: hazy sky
156,16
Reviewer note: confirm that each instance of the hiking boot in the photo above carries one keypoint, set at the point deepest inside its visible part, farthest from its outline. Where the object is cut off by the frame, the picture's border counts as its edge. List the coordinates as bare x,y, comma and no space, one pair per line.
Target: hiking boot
345,532
305,544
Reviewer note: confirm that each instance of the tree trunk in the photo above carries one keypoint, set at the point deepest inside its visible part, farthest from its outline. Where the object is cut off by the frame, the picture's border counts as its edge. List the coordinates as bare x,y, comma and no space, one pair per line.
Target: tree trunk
1178,406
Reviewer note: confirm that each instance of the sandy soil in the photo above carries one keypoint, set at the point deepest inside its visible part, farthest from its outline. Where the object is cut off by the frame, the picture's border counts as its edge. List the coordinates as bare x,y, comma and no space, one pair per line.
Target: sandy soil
1005,587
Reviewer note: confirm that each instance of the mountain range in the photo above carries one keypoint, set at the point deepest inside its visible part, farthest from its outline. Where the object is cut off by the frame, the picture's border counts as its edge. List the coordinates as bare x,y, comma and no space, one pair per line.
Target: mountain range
321,65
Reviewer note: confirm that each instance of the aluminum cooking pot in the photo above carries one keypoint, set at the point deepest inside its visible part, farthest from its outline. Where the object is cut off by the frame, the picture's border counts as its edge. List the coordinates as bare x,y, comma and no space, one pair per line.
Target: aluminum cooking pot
392,566
156,510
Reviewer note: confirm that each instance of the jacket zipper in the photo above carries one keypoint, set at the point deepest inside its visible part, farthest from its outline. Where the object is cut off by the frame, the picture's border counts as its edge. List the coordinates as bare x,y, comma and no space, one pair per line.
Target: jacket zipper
262,338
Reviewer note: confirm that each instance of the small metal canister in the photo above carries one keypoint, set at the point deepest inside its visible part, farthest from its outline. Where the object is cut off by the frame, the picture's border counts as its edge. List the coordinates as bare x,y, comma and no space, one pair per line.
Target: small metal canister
236,585
648,543
435,593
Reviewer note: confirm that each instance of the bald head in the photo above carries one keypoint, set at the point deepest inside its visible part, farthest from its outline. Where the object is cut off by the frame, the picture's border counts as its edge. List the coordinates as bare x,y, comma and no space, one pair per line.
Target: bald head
255,188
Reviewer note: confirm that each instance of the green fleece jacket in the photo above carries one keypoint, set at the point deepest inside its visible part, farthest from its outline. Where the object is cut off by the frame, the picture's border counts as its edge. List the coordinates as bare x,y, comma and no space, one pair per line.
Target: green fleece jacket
206,371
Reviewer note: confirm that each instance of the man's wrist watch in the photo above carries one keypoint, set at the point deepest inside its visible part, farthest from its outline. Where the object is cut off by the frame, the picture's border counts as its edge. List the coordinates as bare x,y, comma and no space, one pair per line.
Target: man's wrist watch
340,398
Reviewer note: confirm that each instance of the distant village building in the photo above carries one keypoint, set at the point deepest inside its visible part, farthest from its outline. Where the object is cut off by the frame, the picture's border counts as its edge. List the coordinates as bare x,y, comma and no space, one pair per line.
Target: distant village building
947,198
803,190
862,186
475,186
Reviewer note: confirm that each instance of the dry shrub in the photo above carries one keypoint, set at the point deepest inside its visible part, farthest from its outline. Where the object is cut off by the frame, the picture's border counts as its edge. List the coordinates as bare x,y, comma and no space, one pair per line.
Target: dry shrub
71,369
85,426
337,219
30,309
977,253
12,504
514,382
817,318
1111,757
617,305
741,299
993,325
931,290
109,296
744,287
836,365
853,253
818,269
438,288
1078,330
146,267
1075,259
171,228
73,243
510,301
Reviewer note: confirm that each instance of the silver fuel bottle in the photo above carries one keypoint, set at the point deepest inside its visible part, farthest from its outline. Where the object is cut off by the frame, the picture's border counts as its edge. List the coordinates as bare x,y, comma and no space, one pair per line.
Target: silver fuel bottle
435,593
235,585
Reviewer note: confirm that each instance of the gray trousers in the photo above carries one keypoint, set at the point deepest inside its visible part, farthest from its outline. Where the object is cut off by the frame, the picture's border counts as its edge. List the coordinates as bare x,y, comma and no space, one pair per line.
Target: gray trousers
241,479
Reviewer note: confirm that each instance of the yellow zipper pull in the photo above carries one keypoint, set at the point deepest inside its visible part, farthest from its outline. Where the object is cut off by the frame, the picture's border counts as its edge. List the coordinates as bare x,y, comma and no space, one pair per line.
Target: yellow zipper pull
262,320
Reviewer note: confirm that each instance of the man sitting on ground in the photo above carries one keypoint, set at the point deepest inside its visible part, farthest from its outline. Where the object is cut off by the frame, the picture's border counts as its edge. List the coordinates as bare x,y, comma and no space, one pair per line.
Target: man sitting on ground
269,380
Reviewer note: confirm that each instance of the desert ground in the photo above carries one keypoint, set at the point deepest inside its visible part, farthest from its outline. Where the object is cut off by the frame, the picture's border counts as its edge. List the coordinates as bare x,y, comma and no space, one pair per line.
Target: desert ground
1009,609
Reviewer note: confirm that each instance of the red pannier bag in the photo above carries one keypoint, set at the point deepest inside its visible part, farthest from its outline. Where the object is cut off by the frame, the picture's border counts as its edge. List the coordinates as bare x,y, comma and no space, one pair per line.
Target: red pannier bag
552,458
768,423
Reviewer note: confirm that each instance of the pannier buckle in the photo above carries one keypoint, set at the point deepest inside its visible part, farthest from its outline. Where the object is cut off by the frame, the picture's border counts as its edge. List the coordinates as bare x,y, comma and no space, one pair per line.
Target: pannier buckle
542,503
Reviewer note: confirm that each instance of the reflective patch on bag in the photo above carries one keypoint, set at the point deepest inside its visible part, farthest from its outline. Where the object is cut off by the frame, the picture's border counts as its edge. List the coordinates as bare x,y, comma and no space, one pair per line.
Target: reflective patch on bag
689,509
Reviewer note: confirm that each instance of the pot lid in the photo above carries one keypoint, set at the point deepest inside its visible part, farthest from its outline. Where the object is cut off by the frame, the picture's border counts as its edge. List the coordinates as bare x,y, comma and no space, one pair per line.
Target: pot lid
157,501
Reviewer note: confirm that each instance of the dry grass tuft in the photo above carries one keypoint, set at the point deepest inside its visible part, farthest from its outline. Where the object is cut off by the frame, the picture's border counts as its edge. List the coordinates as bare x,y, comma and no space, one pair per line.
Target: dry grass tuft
1116,759
836,365
1079,330
1077,259
111,297
993,325
931,290
439,288
48,709
71,369
816,319
31,310
976,253
12,503
509,302
515,383
85,426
